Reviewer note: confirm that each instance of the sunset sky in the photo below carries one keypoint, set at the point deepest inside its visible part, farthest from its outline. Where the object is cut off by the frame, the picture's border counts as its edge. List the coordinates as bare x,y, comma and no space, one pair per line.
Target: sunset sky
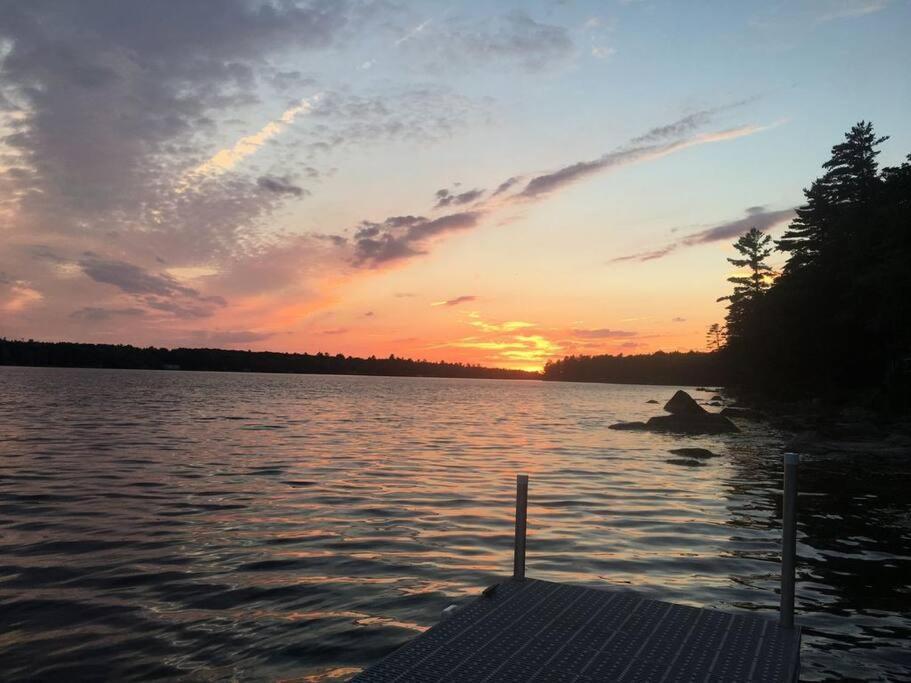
496,183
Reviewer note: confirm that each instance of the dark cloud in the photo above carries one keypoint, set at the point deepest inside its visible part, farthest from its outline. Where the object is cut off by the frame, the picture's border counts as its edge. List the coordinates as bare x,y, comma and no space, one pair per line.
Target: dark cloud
109,88
337,330
505,185
686,124
548,182
445,197
400,237
98,314
603,333
756,217
280,185
657,141
678,320
464,299
157,291
131,278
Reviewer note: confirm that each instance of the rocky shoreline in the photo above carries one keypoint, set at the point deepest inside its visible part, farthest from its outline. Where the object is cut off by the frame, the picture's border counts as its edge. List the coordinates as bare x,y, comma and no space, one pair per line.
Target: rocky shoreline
813,428
809,428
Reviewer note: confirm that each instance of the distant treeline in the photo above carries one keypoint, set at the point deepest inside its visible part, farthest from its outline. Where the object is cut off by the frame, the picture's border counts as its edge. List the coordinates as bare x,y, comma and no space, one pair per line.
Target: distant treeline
835,323
687,369
67,354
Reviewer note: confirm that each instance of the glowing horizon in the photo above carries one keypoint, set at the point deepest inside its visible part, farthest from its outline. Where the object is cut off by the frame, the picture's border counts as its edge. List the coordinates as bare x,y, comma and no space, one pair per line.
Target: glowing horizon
493,185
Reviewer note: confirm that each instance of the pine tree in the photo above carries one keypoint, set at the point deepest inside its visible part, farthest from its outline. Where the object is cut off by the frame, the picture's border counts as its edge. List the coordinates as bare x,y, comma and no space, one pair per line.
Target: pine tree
714,338
755,249
852,170
823,233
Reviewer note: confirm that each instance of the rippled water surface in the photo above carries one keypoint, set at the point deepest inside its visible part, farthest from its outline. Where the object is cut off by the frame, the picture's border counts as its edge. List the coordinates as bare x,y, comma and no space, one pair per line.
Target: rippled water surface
207,526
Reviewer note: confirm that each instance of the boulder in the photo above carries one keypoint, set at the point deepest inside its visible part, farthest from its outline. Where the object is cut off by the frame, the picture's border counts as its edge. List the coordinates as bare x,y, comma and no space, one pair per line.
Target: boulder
745,413
693,452
716,398
706,423
683,462
651,400
629,425
682,403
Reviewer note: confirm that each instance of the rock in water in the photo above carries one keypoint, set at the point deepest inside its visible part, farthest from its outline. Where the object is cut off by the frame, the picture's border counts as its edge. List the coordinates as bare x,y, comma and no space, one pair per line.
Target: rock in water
693,452
629,425
684,462
706,423
682,403
651,400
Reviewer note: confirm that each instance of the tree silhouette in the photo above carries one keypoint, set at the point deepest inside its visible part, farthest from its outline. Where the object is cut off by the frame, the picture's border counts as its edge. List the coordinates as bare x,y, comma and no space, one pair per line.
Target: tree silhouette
826,225
715,336
836,323
754,248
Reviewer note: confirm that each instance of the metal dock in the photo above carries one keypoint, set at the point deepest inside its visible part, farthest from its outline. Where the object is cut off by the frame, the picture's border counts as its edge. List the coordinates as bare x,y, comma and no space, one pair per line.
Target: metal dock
531,630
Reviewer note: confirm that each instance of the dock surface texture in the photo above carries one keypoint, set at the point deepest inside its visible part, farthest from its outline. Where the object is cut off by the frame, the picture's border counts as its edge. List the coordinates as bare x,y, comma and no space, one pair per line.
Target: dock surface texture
534,630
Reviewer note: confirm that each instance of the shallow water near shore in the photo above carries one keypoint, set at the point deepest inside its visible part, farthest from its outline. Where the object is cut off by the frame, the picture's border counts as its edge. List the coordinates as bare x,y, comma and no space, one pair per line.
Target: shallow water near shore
205,526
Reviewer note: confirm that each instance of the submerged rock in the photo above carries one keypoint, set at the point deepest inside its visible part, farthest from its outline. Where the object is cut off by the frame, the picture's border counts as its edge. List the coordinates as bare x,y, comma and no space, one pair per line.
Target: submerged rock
629,425
706,423
684,462
693,452
682,403
716,398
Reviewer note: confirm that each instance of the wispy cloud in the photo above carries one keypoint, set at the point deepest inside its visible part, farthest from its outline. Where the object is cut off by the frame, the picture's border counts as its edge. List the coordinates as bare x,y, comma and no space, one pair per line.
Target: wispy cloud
445,197
413,32
226,159
603,333
630,154
400,237
756,217
464,299
831,10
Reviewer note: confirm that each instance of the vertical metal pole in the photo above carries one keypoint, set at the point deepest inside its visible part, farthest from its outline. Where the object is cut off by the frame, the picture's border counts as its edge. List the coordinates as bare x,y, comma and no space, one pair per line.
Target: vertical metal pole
518,563
789,539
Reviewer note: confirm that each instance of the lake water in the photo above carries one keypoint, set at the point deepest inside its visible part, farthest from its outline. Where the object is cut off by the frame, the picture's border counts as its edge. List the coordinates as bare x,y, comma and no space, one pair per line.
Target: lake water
213,526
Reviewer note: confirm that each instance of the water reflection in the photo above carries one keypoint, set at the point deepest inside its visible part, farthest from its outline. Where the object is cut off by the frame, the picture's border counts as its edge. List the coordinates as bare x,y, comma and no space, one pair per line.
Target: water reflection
268,526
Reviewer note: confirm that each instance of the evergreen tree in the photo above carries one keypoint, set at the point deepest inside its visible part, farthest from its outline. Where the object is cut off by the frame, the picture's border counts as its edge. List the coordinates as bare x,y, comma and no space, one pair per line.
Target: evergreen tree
714,338
823,233
852,170
754,249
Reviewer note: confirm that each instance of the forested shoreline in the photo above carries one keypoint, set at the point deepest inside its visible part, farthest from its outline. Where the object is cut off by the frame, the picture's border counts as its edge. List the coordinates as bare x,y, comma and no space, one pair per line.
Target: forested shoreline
835,323
124,356
686,369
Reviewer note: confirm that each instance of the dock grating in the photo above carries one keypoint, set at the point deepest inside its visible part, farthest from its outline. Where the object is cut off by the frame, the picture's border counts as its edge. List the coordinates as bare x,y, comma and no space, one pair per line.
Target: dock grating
541,631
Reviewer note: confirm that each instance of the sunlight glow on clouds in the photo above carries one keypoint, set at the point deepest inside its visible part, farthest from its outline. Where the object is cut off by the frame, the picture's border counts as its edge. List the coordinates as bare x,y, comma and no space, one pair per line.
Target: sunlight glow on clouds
490,188
226,159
